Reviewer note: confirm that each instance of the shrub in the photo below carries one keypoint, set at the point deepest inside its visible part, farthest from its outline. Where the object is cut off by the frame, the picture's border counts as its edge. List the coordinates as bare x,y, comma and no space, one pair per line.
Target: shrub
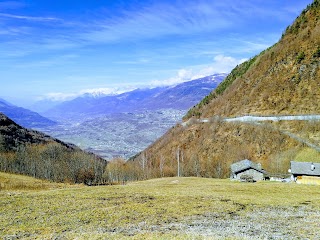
317,53
300,57
86,176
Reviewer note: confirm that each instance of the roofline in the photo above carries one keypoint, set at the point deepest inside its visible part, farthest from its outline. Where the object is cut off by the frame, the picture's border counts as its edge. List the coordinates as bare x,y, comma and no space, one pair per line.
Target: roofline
250,167
306,172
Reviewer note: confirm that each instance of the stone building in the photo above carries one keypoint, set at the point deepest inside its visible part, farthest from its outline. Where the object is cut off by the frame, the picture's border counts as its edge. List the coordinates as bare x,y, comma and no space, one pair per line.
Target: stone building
247,169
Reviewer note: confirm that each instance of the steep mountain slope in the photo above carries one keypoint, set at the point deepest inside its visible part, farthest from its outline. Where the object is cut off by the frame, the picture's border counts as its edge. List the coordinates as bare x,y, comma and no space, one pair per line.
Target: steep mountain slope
284,79
24,116
36,154
180,97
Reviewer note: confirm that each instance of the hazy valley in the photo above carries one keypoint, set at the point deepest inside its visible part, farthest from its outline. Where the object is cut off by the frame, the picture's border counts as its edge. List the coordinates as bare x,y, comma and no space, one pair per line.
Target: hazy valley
119,134
123,125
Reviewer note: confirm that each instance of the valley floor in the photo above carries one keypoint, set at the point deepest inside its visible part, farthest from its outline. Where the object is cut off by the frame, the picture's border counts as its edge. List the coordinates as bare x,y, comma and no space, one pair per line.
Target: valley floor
179,208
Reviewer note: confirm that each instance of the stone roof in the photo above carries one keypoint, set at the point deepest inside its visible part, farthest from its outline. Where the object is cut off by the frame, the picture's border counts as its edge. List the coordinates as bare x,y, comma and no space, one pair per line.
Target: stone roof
244,165
304,168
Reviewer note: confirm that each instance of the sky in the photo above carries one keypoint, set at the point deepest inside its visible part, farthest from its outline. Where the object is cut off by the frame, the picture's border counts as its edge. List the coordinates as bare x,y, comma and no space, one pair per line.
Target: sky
59,49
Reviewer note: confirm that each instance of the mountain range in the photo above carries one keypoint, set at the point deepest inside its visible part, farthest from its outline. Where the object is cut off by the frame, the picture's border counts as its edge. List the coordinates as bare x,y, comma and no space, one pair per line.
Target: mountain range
181,97
24,116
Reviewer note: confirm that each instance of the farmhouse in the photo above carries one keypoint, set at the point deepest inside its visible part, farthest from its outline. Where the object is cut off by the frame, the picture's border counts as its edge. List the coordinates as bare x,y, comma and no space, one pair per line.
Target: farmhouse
246,168
305,172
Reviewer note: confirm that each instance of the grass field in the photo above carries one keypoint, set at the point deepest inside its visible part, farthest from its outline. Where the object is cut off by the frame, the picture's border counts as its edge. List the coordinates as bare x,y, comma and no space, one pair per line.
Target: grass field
168,208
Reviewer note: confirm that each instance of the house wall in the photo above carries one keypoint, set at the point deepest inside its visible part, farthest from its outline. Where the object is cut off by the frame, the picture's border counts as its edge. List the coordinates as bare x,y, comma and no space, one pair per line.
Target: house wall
308,180
257,176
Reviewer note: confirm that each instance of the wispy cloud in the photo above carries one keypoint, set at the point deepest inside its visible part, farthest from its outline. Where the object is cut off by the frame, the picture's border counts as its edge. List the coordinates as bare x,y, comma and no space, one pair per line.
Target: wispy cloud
143,22
178,18
157,21
29,18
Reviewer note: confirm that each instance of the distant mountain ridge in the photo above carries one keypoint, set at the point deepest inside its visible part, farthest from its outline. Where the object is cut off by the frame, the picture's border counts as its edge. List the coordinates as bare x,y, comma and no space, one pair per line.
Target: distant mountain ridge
181,97
24,117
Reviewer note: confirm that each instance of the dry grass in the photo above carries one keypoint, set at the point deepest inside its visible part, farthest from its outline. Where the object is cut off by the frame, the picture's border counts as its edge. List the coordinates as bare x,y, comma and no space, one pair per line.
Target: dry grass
307,130
308,155
10,182
169,208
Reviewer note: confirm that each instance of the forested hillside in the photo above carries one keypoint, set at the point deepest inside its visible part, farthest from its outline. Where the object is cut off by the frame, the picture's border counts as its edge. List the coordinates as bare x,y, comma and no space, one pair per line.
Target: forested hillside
36,154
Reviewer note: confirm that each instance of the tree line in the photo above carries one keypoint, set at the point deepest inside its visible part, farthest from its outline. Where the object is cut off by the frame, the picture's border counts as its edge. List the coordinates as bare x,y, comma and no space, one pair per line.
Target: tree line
54,162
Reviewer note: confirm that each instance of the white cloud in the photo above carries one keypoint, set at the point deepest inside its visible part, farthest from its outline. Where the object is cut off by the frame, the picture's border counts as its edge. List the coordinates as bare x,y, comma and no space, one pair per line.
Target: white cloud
95,92
225,64
221,64
58,97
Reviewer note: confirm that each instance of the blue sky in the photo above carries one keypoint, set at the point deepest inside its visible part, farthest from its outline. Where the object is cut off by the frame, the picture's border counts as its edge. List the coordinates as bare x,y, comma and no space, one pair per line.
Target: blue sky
60,49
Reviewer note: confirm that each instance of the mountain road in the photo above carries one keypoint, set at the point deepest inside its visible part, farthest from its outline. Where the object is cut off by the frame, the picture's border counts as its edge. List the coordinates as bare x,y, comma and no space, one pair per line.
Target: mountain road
258,119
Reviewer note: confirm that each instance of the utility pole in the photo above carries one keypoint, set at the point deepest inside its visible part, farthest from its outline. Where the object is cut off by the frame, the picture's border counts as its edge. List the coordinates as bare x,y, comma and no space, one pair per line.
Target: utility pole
178,160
